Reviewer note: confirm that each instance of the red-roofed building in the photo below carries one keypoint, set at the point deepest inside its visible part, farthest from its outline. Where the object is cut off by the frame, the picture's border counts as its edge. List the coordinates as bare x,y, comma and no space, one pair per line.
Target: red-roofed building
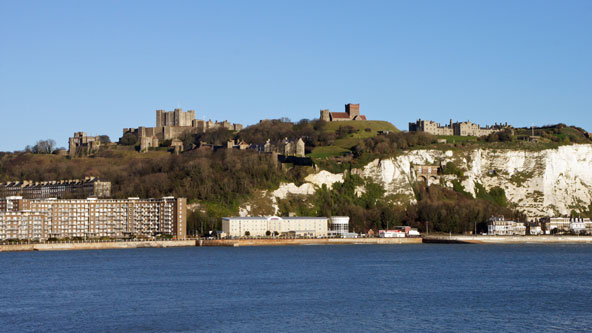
352,112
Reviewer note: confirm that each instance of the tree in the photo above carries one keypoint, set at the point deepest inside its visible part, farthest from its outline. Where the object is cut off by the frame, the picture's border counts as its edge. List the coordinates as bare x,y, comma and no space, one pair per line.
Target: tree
268,233
247,233
44,147
104,139
128,139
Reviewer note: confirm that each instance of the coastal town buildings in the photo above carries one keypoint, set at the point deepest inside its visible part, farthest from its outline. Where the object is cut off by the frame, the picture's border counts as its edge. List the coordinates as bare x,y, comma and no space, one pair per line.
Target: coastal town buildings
465,128
577,225
339,226
258,226
399,232
352,112
71,188
43,219
499,226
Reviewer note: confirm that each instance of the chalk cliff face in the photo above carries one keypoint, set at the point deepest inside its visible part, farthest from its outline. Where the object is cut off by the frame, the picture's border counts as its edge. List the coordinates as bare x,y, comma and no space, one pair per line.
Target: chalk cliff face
540,183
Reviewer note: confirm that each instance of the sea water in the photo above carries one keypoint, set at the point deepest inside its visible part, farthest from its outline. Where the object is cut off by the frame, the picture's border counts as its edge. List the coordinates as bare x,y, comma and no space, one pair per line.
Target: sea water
343,288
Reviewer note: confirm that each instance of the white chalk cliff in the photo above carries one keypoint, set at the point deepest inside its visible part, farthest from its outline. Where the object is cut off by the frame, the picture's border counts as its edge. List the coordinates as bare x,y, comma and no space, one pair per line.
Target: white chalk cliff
540,183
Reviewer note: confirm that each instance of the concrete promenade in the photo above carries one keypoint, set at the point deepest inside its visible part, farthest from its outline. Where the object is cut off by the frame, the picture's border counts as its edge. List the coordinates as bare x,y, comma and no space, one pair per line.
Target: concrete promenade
306,241
94,245
443,239
461,239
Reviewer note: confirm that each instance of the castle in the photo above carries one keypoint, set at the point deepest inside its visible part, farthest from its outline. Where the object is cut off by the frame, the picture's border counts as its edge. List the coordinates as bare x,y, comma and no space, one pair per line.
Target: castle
465,128
80,143
352,112
171,125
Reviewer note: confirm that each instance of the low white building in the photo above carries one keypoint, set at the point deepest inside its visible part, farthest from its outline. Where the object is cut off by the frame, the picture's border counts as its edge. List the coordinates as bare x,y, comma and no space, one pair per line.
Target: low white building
399,231
498,226
536,230
260,225
391,233
339,227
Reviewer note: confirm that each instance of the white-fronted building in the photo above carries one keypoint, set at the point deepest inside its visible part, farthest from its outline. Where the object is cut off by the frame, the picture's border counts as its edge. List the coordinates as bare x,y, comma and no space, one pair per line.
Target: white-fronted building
260,225
498,226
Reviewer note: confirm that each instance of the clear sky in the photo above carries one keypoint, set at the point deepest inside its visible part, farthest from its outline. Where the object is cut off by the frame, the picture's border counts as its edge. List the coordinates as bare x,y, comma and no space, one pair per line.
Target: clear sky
100,66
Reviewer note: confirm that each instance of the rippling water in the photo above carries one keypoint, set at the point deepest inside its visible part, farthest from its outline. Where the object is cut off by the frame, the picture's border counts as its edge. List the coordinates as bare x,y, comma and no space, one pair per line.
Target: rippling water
307,288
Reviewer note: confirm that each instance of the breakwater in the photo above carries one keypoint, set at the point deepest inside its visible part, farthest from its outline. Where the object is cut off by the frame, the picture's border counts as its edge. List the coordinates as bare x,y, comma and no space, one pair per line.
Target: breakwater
462,239
306,241
94,245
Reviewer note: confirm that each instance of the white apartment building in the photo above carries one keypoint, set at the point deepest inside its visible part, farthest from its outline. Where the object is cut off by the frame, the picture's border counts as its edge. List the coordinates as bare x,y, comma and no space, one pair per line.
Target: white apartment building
260,225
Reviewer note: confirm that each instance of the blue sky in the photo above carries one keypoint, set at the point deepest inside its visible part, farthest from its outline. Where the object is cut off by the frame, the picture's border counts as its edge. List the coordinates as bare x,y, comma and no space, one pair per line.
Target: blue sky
100,66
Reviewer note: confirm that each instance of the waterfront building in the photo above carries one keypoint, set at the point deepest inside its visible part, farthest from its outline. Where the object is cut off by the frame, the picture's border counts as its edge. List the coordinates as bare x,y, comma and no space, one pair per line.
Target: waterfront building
42,219
392,233
576,225
71,188
399,231
258,226
339,226
499,226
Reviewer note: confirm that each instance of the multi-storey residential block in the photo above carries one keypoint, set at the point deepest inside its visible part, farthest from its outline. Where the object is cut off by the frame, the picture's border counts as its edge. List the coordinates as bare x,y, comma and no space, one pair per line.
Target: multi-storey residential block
71,188
41,219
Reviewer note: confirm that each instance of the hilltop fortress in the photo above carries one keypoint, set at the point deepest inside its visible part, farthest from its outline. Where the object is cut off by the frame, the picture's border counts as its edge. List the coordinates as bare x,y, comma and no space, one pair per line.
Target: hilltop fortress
171,125
465,128
352,112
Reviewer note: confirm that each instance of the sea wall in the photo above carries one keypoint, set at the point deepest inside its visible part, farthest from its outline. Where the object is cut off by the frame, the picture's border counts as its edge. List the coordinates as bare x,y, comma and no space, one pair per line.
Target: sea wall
311,241
461,239
94,246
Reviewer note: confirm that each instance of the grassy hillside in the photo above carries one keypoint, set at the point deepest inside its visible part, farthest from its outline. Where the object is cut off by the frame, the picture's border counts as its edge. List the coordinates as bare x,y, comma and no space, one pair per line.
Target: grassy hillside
361,127
349,134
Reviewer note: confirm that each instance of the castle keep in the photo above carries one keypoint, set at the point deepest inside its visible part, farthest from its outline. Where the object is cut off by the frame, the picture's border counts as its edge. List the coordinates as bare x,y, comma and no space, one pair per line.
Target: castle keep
171,125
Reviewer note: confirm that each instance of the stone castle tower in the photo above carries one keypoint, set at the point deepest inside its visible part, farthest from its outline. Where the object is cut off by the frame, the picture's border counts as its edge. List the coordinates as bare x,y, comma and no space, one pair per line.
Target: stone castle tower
353,110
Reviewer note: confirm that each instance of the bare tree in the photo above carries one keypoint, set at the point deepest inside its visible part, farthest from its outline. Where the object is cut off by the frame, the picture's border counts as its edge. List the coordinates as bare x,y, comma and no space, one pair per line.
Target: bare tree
44,147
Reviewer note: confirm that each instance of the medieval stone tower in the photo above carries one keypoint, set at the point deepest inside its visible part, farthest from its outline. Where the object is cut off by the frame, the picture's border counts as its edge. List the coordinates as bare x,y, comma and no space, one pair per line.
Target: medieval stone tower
353,110
325,115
